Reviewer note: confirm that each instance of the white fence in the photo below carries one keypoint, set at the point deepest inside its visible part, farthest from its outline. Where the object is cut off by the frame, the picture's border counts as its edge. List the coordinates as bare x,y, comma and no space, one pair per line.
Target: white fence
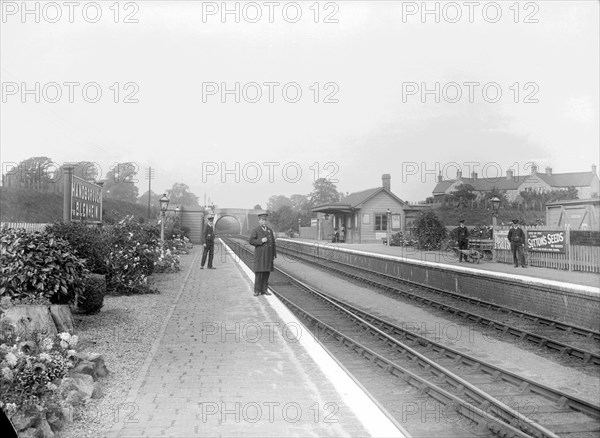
27,226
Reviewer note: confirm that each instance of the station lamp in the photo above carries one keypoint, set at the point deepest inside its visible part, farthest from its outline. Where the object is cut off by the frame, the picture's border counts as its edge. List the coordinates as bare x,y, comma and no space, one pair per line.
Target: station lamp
164,203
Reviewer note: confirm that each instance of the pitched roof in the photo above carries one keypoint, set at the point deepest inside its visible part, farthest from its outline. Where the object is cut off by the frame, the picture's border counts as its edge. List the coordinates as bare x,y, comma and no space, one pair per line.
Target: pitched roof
356,199
576,179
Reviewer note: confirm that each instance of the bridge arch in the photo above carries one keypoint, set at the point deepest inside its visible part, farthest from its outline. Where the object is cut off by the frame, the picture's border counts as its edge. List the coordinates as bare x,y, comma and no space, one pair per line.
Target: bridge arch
194,219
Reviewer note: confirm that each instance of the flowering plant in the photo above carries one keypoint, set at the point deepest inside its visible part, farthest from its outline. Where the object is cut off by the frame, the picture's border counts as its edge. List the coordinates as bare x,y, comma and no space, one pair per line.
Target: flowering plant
30,371
166,261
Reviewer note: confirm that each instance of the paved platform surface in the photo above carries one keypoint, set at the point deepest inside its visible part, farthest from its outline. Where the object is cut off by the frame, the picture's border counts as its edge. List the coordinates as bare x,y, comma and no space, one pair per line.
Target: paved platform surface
229,364
581,278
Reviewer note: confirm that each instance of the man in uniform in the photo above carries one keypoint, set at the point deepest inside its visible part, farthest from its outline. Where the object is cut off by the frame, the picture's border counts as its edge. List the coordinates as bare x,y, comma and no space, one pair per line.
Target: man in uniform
516,237
263,240
209,244
462,235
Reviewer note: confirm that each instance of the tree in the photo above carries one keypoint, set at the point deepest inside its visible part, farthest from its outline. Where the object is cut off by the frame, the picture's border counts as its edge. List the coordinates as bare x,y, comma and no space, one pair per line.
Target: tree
257,207
464,194
154,198
324,191
302,209
277,201
284,219
430,230
119,183
180,194
32,173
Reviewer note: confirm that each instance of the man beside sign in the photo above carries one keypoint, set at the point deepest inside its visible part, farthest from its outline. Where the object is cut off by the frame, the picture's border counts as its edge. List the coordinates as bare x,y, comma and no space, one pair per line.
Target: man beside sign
516,237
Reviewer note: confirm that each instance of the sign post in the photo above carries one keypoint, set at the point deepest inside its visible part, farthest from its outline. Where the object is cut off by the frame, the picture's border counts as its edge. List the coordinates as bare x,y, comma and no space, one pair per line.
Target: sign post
82,200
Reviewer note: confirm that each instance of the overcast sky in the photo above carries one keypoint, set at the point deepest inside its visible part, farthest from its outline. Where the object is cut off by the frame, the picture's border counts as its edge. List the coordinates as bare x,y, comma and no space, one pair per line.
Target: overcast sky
365,63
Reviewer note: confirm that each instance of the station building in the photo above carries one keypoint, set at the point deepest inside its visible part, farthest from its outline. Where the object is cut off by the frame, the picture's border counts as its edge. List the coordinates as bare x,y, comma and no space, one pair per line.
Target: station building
367,215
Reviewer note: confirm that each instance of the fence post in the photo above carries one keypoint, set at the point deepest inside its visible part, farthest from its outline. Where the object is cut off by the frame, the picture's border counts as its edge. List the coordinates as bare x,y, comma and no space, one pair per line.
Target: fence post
569,249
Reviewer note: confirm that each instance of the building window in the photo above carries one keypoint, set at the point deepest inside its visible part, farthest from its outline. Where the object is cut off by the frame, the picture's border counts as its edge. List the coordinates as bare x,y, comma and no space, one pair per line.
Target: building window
381,222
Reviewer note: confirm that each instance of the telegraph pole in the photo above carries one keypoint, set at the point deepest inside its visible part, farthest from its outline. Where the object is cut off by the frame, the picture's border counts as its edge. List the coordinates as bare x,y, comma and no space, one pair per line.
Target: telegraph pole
149,176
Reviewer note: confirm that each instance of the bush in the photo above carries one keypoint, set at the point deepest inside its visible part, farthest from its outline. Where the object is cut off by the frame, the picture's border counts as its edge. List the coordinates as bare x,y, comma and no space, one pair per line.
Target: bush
131,256
167,261
430,231
31,374
87,240
39,264
91,299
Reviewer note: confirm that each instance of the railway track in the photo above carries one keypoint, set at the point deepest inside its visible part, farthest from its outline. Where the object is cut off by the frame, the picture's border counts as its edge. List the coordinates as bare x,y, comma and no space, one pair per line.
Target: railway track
578,343
487,400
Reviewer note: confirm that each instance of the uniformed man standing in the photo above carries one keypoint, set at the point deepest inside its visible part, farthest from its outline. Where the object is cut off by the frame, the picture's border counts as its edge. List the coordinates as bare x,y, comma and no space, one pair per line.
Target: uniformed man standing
516,237
462,235
263,240
209,244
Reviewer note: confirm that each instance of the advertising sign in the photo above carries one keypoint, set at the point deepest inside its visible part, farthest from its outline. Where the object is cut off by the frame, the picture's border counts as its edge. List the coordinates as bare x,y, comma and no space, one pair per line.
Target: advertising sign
86,201
501,240
395,222
546,241
313,222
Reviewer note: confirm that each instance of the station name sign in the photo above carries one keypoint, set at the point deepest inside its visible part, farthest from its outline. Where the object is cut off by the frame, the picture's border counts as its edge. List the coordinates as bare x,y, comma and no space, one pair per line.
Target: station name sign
86,201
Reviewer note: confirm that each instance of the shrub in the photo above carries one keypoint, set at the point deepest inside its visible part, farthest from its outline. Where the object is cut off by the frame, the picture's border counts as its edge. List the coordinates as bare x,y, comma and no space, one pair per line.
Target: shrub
87,240
430,231
31,372
39,264
131,256
91,300
167,261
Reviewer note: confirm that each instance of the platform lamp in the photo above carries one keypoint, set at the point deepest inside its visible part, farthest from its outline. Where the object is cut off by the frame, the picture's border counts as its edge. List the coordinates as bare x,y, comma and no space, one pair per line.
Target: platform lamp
388,225
164,203
495,201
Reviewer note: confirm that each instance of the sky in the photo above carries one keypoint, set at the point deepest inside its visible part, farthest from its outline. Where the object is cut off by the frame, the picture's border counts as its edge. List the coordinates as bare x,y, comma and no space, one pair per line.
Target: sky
245,100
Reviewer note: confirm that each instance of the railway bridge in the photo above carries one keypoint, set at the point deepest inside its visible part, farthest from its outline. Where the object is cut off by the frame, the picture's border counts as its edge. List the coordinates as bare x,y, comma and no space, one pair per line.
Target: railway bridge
194,219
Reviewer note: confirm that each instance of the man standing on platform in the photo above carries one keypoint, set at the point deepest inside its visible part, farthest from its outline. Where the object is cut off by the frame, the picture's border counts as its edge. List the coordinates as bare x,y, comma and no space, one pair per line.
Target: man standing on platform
516,237
263,240
462,235
209,244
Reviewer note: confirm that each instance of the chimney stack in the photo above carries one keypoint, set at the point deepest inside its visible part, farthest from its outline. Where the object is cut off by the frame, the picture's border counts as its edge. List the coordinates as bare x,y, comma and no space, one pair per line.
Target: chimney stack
458,174
509,174
548,171
440,177
386,181
473,176
594,169
533,169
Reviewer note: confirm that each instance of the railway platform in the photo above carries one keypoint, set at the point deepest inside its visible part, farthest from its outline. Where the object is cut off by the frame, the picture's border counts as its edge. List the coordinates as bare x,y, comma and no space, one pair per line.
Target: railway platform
226,363
570,277
568,297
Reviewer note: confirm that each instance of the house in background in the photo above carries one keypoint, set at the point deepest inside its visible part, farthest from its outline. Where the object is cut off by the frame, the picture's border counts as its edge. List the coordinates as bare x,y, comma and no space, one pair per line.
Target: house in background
587,184
364,214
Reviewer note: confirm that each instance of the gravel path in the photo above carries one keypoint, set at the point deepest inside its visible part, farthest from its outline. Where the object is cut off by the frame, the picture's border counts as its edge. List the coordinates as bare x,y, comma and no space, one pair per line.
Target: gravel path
123,332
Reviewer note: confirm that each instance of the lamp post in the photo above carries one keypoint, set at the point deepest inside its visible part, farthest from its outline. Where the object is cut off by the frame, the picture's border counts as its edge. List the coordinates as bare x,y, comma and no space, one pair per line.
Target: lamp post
388,225
495,206
164,203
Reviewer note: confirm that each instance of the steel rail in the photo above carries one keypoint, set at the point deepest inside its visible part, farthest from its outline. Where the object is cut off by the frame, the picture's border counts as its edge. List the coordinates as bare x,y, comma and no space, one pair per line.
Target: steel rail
505,416
543,341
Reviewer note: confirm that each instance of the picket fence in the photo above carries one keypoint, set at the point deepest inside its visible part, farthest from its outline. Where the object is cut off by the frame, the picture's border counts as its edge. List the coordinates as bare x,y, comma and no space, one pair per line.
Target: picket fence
29,227
583,258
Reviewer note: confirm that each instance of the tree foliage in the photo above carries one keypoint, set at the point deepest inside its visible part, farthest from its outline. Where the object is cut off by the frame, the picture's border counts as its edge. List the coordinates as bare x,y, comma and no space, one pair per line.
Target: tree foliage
180,194
119,183
277,201
324,191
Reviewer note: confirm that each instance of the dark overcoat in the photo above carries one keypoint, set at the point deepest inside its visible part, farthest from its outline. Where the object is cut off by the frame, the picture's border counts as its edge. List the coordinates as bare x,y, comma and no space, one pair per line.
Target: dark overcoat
264,252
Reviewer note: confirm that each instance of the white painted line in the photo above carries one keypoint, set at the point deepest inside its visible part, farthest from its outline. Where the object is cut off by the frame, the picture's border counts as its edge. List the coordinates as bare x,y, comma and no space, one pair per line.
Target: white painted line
372,418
